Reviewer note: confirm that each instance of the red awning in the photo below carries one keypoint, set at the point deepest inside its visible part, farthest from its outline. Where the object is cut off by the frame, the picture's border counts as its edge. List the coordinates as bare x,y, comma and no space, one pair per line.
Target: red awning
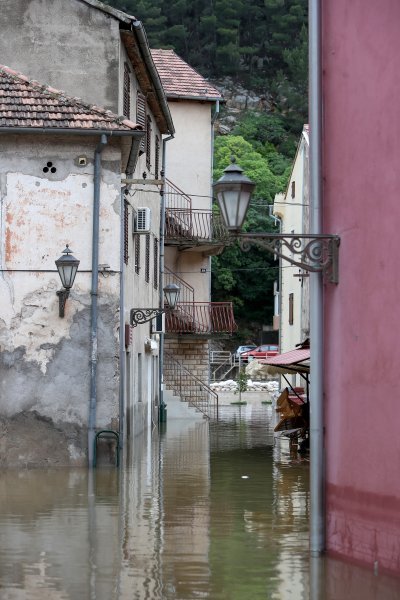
295,361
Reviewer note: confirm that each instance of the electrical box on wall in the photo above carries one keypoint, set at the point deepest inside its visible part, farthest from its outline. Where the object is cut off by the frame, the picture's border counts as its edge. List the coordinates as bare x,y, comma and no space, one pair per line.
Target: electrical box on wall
142,220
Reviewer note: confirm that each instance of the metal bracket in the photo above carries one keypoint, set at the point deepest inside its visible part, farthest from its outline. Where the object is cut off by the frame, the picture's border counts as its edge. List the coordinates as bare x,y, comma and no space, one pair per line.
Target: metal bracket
318,253
142,315
62,299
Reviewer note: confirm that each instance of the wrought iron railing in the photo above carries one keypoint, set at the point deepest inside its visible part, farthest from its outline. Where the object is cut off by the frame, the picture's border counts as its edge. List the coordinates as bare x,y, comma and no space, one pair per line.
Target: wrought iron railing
190,388
186,293
185,223
201,318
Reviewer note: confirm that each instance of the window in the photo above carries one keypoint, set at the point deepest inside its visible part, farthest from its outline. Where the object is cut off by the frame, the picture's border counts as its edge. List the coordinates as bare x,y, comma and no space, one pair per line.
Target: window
157,158
155,264
148,142
137,252
141,118
291,308
293,193
127,92
126,232
147,260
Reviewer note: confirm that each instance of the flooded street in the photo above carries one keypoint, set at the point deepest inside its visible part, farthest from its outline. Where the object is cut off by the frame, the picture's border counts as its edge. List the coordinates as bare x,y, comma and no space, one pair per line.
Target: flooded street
200,511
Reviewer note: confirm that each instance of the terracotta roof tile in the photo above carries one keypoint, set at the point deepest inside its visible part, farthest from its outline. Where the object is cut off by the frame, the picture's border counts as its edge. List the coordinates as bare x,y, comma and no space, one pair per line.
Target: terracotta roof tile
180,80
25,103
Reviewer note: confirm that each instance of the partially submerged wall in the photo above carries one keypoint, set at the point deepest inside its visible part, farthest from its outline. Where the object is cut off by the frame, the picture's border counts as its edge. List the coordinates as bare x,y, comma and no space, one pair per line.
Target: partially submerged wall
44,359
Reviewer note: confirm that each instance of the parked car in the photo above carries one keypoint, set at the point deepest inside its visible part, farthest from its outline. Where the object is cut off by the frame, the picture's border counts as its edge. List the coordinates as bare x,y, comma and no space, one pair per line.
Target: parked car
239,351
264,351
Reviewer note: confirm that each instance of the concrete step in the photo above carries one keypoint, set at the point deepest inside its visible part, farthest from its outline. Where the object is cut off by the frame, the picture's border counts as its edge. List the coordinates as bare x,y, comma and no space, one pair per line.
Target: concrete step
179,409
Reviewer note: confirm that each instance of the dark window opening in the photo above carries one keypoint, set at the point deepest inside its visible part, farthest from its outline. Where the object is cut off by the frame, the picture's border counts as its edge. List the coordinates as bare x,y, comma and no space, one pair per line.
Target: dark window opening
291,308
155,264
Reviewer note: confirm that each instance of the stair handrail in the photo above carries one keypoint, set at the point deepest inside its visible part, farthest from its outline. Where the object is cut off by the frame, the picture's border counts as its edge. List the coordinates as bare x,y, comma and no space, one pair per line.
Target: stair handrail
178,389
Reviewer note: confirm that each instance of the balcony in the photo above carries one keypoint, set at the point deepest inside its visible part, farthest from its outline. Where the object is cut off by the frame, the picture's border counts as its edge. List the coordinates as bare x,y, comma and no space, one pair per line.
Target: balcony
201,319
189,228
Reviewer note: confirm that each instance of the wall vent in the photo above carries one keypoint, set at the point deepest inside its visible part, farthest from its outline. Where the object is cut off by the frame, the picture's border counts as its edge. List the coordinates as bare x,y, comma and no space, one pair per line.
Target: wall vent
142,220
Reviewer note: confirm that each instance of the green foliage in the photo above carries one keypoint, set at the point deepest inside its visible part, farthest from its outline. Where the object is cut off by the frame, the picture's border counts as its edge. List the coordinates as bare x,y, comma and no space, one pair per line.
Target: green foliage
242,381
246,278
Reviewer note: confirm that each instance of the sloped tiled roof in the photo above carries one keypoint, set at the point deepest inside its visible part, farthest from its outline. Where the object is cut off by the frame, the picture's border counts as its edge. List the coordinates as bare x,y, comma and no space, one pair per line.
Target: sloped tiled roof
180,80
25,103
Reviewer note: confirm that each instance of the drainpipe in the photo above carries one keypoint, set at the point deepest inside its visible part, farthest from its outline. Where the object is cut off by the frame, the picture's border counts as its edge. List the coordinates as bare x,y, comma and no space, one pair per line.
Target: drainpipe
94,293
122,376
161,282
213,119
317,459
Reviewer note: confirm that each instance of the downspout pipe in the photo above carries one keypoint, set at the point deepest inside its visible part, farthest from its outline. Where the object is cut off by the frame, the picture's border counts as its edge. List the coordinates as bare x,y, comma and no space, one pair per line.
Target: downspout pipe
94,294
317,458
161,282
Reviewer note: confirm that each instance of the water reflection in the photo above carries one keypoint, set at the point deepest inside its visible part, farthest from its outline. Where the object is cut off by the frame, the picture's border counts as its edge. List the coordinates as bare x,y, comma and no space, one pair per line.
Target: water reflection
200,511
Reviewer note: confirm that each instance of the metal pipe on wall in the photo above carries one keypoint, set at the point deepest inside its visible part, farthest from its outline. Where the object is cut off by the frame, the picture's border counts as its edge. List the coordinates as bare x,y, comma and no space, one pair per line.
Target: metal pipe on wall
94,294
317,459
161,282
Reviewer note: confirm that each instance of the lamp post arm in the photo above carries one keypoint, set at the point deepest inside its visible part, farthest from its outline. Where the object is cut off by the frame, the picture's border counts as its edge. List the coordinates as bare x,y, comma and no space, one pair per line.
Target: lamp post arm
317,253
142,315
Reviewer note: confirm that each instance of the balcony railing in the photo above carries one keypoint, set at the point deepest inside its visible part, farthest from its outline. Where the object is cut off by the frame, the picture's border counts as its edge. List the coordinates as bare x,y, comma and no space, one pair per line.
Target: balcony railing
201,318
187,225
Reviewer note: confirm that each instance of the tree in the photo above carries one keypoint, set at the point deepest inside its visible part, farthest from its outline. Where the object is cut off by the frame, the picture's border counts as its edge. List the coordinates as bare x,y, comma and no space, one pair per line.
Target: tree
246,278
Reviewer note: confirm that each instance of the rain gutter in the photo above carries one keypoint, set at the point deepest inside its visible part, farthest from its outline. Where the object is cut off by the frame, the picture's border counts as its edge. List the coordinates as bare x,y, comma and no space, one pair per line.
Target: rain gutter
317,458
70,131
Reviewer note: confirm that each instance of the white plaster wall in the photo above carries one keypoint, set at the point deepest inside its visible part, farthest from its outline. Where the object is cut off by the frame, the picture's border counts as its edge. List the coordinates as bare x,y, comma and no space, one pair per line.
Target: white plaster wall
291,211
189,157
44,364
189,166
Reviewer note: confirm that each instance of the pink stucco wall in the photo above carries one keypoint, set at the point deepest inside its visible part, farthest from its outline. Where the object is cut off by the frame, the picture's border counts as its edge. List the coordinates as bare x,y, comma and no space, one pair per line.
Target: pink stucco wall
361,169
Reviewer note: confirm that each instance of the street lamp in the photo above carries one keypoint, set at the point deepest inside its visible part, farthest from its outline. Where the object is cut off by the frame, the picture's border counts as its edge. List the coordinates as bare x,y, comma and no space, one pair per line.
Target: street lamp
317,253
67,266
142,315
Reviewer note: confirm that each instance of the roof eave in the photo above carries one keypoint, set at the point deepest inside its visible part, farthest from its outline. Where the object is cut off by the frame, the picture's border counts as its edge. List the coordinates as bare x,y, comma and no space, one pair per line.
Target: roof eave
172,96
149,82
118,14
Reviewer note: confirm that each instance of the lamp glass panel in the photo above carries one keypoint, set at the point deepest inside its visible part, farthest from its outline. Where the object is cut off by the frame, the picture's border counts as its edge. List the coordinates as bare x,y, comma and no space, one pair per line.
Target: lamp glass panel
172,297
233,204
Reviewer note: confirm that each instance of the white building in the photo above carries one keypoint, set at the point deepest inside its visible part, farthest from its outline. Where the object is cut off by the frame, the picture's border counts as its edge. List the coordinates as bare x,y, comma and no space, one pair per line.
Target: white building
292,208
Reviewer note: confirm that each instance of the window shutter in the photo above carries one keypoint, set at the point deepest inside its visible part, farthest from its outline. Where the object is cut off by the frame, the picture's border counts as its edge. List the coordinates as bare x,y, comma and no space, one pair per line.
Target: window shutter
156,266
157,158
137,253
148,143
147,263
127,92
141,118
126,232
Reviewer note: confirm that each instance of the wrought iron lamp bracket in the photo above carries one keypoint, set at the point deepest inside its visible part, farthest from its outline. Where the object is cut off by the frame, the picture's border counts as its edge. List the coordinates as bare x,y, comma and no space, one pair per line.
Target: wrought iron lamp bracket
318,253
142,315
62,299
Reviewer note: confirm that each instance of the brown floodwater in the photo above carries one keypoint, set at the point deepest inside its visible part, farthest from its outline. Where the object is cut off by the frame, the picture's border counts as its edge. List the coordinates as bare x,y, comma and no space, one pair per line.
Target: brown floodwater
198,511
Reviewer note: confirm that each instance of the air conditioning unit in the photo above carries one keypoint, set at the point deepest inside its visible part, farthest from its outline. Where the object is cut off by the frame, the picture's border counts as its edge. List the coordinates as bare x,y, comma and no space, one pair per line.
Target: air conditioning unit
142,222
